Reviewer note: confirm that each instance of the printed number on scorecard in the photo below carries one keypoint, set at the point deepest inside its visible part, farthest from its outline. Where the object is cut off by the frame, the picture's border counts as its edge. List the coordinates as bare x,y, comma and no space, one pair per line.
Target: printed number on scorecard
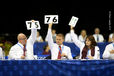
32,24
51,19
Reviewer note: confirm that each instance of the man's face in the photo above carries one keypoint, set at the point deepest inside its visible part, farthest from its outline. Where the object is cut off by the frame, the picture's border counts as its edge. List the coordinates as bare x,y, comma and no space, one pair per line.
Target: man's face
59,40
83,33
53,31
22,39
97,31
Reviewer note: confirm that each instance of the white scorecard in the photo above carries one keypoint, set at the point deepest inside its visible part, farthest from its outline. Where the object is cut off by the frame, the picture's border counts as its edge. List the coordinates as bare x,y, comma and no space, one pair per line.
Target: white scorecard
33,24
51,19
73,21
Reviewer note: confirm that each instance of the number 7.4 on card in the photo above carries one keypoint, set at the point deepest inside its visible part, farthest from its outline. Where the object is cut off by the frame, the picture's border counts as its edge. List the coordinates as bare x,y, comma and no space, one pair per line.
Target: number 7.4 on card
51,19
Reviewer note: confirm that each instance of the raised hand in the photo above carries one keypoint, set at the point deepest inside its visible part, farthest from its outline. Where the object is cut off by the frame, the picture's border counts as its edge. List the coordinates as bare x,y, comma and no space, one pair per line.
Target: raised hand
50,25
71,28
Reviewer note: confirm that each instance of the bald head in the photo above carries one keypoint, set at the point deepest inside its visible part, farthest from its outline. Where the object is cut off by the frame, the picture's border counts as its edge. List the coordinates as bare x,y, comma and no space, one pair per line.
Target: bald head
22,38
97,30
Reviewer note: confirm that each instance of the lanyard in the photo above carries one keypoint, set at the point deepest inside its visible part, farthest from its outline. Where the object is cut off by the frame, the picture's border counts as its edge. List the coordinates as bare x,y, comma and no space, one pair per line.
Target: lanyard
20,45
61,49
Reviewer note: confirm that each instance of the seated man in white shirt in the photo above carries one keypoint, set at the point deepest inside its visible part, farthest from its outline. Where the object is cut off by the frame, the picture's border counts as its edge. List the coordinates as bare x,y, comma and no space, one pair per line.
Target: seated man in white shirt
58,50
83,35
98,37
39,37
68,37
109,50
24,48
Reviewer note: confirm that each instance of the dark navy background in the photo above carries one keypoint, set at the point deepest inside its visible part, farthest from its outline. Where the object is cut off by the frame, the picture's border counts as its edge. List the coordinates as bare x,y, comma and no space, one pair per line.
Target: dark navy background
91,15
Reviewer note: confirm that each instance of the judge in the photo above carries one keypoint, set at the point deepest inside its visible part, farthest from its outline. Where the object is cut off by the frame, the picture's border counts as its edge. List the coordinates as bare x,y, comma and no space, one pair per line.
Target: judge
109,50
24,47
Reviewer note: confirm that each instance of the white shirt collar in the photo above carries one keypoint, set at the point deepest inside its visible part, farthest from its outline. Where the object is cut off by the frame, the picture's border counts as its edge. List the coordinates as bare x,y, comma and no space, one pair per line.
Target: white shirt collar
20,44
61,45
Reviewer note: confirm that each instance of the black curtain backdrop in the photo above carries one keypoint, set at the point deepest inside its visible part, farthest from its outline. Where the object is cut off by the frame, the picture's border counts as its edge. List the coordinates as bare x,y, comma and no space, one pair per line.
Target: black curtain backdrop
89,18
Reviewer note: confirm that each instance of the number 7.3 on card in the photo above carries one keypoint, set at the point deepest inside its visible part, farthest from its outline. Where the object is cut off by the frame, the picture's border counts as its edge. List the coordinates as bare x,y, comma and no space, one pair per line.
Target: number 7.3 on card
51,19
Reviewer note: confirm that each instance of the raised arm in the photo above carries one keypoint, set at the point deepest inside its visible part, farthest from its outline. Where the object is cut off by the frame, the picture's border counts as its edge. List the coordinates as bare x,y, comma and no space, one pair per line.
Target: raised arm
49,36
75,40
33,36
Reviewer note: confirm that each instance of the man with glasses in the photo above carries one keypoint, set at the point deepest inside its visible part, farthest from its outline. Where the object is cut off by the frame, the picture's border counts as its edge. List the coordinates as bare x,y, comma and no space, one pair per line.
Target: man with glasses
24,48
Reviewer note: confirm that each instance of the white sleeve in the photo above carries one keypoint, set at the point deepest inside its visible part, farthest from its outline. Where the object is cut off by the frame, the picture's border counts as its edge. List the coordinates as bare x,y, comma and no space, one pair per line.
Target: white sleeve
69,54
33,36
50,39
75,40
106,53
66,39
97,53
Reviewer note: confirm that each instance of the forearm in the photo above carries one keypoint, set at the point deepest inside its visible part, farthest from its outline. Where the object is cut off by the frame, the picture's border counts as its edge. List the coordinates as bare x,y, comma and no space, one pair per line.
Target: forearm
75,40
33,36
49,37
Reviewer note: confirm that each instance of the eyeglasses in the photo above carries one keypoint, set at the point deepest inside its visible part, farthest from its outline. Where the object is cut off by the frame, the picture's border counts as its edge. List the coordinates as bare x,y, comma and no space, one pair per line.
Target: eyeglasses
23,39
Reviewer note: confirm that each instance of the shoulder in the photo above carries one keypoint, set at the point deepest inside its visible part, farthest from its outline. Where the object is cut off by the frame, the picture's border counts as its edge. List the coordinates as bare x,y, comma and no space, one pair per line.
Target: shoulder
111,35
0,49
101,35
109,45
66,47
96,48
14,46
67,34
94,35
80,35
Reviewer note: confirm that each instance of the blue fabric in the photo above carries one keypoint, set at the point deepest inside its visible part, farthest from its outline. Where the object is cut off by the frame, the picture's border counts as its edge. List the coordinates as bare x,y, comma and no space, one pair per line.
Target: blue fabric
57,68
38,48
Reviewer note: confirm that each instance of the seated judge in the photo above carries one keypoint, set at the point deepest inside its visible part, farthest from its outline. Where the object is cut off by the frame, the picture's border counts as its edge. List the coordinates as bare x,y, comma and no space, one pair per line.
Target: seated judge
109,50
58,50
24,47
98,37
82,35
68,37
88,49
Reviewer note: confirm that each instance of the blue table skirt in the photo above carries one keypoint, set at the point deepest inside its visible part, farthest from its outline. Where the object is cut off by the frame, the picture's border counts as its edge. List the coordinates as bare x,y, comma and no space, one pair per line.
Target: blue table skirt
56,67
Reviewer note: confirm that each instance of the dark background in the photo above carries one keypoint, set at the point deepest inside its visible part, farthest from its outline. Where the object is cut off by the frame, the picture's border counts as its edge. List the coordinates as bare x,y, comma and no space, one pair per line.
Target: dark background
13,21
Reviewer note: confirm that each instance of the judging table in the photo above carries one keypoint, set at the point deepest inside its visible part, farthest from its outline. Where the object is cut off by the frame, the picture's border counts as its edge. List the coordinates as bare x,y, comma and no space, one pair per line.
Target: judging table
57,67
